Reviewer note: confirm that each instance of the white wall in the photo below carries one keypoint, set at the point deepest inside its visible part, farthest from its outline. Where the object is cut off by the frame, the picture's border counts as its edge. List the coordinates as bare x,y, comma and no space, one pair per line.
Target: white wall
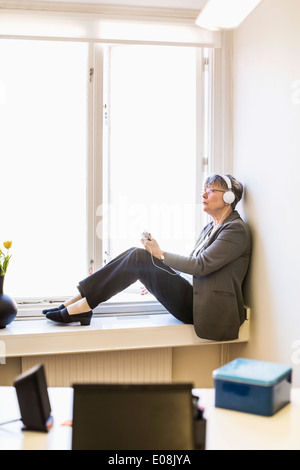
267,158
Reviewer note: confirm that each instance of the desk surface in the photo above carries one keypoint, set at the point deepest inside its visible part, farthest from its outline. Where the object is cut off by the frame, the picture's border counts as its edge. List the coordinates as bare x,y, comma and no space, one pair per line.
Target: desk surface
225,429
233,430
58,438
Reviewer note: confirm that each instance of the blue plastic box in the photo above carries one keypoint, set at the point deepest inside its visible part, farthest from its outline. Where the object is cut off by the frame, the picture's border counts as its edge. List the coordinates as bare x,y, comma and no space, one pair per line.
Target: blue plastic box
252,386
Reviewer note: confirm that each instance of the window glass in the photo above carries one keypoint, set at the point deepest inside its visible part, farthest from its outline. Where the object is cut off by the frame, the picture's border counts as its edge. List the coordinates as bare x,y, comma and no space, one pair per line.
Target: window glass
151,130
43,115
151,115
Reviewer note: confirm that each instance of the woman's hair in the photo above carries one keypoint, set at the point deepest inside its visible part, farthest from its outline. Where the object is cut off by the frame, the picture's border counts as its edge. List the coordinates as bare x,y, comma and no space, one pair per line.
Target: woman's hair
219,181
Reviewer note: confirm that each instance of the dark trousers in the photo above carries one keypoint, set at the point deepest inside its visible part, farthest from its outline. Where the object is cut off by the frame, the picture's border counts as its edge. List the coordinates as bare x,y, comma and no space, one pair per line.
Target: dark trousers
172,291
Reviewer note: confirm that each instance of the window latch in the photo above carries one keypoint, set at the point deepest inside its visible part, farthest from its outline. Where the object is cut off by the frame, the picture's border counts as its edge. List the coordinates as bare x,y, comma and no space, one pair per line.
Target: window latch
91,73
91,270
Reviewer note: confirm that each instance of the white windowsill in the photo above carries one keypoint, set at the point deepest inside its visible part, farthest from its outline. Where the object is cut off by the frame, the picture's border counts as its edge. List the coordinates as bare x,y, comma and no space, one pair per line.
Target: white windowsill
107,332
126,302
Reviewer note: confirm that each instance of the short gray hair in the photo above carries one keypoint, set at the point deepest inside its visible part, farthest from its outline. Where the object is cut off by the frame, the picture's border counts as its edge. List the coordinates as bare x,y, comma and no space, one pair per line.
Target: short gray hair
236,187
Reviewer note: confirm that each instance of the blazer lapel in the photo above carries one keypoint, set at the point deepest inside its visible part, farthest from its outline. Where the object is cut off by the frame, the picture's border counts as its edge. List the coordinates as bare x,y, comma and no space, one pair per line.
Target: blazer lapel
234,215
202,237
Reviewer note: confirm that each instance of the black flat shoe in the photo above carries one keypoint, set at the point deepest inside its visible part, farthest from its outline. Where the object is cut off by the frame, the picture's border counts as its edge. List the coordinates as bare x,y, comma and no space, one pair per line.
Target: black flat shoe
62,316
47,310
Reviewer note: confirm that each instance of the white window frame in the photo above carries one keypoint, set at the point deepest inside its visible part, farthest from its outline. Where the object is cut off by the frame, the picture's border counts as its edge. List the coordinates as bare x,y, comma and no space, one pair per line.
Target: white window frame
217,155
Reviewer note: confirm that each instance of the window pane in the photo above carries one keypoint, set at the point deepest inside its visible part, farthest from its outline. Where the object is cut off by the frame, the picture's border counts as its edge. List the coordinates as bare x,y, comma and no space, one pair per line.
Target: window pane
152,146
43,113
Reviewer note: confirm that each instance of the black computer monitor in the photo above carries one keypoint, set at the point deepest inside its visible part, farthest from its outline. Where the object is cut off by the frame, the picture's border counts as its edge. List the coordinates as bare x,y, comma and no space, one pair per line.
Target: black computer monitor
139,417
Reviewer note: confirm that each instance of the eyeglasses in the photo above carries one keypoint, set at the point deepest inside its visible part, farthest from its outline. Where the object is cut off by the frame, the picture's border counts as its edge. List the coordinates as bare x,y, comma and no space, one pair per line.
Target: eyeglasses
211,190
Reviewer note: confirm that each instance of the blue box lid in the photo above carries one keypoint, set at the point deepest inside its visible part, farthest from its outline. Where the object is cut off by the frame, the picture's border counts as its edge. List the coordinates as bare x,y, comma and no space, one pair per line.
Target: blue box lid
251,371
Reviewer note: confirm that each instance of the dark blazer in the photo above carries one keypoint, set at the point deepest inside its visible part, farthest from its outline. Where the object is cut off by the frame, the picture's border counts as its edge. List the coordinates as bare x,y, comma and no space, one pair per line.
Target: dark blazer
218,273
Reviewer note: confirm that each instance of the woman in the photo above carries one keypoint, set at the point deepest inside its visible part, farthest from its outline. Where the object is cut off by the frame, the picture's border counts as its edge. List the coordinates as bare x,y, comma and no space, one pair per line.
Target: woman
212,300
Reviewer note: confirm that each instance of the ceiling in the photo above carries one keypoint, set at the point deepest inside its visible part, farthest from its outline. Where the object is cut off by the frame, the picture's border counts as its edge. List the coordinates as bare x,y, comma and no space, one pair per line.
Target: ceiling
183,4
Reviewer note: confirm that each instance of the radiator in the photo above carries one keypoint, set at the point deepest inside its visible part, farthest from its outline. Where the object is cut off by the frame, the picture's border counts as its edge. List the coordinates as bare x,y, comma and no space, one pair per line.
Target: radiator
130,366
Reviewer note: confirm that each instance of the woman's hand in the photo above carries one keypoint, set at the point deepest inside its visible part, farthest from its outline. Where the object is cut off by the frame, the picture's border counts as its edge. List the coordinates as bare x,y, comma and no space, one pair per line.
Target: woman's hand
152,247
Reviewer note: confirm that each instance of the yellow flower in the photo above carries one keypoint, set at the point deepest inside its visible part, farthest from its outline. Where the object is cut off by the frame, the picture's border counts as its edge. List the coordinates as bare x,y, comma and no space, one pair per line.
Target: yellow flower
7,245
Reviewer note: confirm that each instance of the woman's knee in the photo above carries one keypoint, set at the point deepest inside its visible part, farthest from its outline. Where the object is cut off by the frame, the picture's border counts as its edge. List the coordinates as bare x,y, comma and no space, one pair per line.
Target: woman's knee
137,251
140,256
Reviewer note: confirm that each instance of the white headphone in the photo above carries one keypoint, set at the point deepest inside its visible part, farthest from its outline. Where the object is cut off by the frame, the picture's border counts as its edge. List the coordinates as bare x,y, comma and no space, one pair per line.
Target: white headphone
228,196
